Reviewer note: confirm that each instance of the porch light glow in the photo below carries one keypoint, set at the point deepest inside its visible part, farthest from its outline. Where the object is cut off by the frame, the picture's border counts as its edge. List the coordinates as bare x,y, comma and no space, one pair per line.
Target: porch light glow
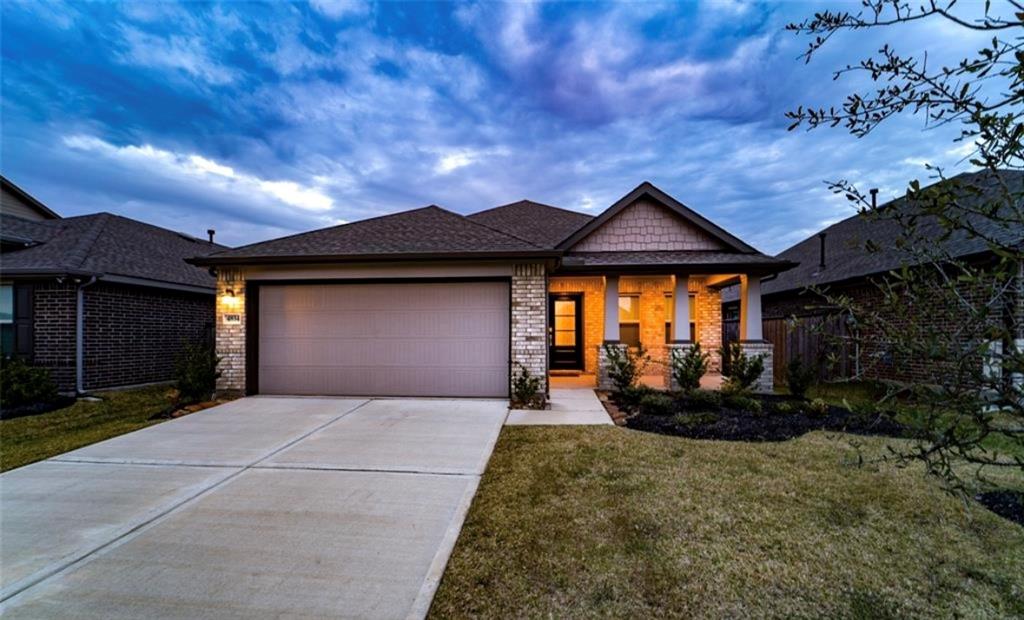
229,299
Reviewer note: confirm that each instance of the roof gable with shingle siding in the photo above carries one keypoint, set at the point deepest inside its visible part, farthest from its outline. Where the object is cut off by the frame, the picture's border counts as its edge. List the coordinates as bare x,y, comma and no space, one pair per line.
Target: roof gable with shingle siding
647,226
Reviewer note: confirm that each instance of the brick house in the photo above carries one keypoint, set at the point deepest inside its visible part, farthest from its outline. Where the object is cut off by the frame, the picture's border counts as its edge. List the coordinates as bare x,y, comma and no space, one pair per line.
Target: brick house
99,300
428,302
835,260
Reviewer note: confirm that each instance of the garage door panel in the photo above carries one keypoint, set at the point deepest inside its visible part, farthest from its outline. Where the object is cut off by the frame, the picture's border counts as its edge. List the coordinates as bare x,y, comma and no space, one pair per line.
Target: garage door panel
409,339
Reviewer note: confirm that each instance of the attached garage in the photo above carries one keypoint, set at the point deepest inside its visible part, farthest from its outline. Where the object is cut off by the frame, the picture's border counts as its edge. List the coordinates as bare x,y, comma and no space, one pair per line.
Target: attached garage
412,338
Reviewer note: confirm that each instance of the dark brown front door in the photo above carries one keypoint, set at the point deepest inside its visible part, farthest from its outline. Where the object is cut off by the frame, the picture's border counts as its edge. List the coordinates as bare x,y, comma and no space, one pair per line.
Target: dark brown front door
565,320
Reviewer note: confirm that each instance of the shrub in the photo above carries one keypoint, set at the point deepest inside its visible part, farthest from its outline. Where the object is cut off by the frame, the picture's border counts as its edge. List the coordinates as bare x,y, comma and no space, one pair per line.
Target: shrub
196,373
799,377
744,370
742,402
526,389
23,384
656,403
702,418
630,398
689,367
817,408
785,408
704,400
625,366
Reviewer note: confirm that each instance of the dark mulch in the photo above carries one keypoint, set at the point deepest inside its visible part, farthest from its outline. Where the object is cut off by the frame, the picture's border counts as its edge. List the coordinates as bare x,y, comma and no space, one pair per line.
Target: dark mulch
726,424
60,402
1006,504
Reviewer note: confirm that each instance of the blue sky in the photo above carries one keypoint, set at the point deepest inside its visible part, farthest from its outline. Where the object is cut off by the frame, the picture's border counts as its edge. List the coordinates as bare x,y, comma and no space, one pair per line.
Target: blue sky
261,120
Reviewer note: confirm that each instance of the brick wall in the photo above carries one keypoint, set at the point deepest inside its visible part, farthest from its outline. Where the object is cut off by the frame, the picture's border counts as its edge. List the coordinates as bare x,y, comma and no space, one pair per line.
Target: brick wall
646,226
53,331
592,288
231,336
135,334
530,317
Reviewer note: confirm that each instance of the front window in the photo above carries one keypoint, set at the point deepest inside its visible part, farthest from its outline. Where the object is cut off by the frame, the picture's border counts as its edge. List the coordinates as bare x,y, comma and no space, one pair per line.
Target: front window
6,319
629,320
670,311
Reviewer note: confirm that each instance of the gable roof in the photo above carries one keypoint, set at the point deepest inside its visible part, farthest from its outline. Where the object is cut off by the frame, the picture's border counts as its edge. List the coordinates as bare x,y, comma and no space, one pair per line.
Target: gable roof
8,186
103,244
647,189
540,224
845,256
428,232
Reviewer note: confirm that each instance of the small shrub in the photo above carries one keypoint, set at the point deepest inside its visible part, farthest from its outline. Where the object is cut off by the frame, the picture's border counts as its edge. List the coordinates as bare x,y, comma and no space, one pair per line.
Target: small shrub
799,377
703,418
630,398
704,400
526,392
688,367
625,366
785,408
656,403
22,384
196,373
742,402
817,408
744,370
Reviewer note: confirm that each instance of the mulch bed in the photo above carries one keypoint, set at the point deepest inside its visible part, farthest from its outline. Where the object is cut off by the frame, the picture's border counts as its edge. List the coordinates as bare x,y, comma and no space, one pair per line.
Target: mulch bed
1006,504
726,424
36,408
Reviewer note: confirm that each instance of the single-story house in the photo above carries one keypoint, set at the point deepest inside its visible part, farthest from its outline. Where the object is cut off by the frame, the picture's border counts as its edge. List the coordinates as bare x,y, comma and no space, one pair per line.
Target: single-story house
836,261
429,302
100,300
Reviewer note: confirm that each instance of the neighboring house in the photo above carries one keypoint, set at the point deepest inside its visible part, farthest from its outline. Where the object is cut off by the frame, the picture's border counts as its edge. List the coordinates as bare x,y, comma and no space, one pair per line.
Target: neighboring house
100,300
19,203
835,261
428,302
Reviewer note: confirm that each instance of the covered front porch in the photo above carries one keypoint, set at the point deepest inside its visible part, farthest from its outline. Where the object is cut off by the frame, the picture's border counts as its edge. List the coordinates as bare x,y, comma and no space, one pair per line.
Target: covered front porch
641,309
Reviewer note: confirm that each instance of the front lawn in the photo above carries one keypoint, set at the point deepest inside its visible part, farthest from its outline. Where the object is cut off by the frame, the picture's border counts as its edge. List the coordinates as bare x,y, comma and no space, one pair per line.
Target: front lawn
34,438
597,521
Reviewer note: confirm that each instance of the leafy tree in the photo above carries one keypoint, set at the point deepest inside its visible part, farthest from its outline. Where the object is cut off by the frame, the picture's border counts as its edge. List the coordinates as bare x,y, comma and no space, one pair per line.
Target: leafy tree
964,319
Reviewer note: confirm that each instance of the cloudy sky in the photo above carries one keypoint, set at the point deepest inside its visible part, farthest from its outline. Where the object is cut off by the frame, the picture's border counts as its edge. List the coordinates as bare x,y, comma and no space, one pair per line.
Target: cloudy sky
261,120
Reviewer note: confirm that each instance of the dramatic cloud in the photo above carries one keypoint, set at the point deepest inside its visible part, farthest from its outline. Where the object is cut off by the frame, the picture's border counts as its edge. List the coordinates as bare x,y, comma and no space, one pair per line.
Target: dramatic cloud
262,119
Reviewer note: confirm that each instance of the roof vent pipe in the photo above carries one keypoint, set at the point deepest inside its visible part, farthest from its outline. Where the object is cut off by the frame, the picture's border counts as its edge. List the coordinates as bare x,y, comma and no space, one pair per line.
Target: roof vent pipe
211,232
821,239
874,197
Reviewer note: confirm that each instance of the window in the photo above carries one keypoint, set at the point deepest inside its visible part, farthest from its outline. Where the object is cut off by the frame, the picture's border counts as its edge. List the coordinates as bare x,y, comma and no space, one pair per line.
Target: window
670,310
629,320
6,319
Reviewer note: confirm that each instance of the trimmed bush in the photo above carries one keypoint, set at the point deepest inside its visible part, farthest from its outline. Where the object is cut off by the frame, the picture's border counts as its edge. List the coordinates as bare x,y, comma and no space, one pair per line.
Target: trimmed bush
703,400
817,408
22,384
630,398
689,367
744,370
656,403
625,366
526,392
799,377
196,373
741,402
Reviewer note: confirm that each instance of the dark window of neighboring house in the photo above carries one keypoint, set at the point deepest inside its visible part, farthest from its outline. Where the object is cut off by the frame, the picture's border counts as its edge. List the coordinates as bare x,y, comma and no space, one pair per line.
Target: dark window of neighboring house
629,320
6,319
670,310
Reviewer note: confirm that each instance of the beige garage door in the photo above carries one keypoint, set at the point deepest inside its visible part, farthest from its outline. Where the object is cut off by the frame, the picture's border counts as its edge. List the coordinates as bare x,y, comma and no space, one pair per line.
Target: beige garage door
421,339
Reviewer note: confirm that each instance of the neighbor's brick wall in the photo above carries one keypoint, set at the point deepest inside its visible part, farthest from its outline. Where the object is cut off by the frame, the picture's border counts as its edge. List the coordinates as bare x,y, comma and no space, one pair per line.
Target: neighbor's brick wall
530,317
135,334
230,339
53,331
646,226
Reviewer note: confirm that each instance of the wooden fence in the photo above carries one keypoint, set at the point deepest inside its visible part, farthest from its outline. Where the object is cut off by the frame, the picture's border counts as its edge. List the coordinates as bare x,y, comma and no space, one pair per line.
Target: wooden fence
823,341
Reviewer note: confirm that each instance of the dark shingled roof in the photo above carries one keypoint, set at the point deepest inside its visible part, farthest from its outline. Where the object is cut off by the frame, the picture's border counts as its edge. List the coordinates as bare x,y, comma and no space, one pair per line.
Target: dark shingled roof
102,244
540,224
846,258
426,231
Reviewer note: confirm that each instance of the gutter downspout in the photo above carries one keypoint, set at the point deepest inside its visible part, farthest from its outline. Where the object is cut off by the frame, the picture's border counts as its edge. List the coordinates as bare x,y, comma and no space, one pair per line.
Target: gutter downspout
80,335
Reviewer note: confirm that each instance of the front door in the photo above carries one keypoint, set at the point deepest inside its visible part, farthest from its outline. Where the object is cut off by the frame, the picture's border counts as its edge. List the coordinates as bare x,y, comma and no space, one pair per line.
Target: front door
565,326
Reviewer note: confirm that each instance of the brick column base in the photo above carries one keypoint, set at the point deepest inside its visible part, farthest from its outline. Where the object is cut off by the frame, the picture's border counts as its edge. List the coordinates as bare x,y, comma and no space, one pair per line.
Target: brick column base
674,350
604,382
766,383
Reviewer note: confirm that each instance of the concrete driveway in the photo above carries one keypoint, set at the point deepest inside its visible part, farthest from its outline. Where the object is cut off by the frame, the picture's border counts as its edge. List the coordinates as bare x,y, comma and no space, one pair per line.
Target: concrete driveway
282,507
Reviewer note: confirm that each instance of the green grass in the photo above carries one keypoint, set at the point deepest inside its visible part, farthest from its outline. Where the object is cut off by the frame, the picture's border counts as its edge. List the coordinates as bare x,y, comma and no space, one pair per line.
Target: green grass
34,438
605,522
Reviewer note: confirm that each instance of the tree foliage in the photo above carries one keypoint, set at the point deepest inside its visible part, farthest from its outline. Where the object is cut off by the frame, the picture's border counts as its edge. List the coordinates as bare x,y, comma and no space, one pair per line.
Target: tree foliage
961,317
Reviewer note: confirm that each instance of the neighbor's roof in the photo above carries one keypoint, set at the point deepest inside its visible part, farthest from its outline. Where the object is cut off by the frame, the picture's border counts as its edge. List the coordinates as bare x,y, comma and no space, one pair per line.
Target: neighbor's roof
845,256
9,186
538,223
427,232
102,244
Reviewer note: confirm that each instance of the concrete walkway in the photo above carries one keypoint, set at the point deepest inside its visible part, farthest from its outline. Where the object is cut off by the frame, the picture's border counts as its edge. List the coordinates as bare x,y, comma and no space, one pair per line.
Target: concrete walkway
264,507
568,406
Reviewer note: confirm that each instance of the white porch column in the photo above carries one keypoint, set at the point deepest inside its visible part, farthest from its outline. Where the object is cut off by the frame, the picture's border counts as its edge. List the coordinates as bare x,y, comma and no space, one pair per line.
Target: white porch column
611,309
750,308
681,309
